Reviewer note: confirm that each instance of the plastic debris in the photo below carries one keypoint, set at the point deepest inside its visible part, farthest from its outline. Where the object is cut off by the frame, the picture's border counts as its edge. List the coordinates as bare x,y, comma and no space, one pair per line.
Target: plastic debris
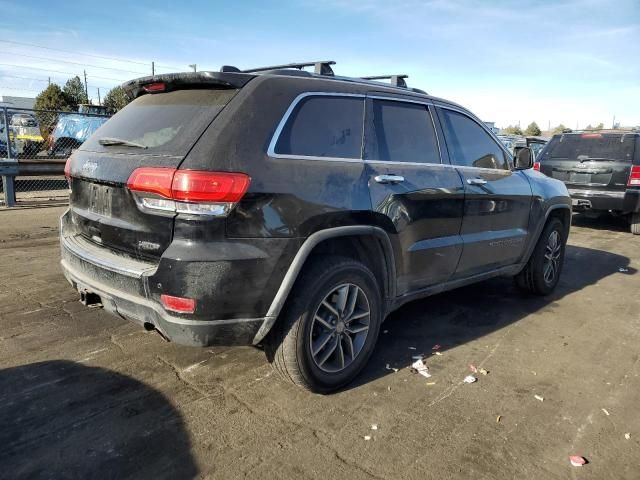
627,436
470,379
473,368
438,353
538,397
623,270
436,347
374,427
417,357
498,418
483,371
412,348
577,460
606,412
367,437
430,383
391,368
421,368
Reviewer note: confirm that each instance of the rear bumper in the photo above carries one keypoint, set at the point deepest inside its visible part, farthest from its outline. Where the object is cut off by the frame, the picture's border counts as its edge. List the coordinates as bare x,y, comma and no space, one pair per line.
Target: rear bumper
123,288
626,201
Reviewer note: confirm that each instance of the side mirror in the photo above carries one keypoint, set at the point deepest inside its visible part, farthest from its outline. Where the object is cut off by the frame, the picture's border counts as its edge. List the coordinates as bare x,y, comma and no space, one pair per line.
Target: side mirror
524,159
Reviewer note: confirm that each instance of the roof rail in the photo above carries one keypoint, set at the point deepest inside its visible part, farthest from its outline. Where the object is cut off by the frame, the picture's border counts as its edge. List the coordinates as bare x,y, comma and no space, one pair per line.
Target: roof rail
395,80
322,67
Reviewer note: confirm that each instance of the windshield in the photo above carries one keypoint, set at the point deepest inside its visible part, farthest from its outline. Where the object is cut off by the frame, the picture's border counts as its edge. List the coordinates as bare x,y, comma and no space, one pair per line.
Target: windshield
164,123
591,145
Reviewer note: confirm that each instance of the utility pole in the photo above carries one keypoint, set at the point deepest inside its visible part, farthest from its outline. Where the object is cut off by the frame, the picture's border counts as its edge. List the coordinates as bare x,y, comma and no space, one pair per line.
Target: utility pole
153,68
193,65
99,101
86,89
49,80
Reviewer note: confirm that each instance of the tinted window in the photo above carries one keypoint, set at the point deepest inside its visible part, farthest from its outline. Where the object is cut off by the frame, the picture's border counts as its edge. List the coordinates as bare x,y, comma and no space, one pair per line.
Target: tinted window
166,123
402,132
469,144
590,145
324,127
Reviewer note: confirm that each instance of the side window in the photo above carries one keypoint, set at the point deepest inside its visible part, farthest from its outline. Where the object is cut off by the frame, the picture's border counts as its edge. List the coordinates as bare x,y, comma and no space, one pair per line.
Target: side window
469,145
401,132
324,126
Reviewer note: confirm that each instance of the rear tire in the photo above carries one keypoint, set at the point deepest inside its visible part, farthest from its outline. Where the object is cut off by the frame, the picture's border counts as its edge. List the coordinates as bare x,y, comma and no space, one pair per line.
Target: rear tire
635,223
542,272
324,336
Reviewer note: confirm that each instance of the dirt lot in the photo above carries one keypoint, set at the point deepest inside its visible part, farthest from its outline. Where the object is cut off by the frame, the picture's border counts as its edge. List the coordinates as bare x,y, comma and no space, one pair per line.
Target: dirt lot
87,395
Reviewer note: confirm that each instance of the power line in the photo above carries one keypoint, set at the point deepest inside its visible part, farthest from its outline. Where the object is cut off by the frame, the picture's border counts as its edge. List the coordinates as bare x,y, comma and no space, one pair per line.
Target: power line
45,80
58,71
85,54
73,63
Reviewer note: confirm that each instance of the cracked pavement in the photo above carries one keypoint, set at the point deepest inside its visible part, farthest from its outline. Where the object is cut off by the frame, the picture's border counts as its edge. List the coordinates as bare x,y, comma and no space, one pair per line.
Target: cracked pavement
87,395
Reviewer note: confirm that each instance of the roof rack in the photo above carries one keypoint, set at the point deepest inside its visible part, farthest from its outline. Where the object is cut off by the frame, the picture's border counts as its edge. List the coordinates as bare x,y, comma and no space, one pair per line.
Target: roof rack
395,80
322,67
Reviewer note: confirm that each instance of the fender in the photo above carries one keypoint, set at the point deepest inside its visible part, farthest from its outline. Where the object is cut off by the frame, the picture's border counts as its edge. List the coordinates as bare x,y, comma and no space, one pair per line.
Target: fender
536,237
301,257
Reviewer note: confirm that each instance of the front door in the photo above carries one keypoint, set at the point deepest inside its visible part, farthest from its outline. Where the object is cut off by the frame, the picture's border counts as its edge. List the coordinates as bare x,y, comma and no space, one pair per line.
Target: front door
495,226
418,199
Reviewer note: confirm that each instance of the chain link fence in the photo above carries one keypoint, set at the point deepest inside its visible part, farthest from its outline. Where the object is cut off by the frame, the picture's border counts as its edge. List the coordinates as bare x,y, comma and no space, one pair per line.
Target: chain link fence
34,146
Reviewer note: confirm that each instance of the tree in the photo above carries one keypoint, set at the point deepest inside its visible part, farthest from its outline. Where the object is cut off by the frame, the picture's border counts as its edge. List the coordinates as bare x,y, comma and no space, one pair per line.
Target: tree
51,98
75,93
559,129
533,130
115,99
600,126
512,130
588,127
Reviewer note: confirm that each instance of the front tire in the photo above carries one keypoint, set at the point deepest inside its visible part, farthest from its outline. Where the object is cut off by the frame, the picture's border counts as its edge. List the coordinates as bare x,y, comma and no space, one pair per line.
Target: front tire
329,327
541,274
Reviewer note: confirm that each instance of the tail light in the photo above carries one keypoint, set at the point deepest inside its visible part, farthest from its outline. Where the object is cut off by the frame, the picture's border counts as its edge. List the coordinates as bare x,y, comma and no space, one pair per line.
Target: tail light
536,166
168,191
178,304
634,177
156,87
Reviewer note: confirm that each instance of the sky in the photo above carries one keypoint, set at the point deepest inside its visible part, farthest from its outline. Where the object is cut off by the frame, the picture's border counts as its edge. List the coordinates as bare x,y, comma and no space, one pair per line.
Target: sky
564,61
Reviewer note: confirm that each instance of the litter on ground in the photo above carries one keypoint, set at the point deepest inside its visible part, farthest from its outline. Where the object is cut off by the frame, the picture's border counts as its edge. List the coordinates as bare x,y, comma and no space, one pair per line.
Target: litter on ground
437,353
577,460
436,347
538,397
391,368
419,367
430,383
374,427
412,348
473,368
498,418
483,371
627,436
417,357
623,270
470,379
606,412
367,437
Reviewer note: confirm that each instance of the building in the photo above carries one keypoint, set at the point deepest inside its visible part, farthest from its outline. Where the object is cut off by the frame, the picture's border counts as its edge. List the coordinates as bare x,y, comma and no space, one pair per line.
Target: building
492,126
17,102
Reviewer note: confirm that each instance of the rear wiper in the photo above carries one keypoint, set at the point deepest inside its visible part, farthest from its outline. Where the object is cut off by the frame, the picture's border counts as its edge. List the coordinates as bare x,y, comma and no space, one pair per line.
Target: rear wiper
108,141
596,159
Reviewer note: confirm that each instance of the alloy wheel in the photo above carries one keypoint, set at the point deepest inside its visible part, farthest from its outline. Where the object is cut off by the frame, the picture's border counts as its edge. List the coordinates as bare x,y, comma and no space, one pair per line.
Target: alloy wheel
340,327
552,257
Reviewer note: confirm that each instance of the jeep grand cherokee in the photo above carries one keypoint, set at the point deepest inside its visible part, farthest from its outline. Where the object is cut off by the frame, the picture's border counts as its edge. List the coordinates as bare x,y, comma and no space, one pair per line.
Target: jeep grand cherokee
296,210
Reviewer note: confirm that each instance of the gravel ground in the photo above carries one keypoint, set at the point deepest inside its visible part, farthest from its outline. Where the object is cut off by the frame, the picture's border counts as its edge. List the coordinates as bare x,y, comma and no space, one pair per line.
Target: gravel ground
87,395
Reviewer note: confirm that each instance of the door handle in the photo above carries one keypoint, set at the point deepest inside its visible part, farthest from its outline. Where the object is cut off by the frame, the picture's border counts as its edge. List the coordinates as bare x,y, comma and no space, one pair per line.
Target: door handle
476,181
393,179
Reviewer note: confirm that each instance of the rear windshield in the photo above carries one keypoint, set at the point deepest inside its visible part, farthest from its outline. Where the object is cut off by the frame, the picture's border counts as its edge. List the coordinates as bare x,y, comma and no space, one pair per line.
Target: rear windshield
166,123
587,146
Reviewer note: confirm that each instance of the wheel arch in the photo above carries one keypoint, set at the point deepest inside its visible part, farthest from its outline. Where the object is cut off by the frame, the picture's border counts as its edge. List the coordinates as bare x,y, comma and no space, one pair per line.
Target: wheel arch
366,239
560,211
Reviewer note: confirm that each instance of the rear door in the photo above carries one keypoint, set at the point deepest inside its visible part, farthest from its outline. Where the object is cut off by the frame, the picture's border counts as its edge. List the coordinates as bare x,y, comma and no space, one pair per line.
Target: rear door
161,129
590,161
419,199
497,200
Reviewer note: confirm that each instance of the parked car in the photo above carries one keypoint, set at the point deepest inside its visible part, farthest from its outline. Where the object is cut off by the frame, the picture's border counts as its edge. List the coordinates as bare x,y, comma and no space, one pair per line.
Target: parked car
601,169
71,130
536,144
295,210
25,134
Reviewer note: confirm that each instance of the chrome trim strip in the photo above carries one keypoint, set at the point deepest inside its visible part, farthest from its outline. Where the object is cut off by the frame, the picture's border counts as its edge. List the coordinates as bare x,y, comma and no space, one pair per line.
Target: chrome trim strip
127,267
601,193
418,164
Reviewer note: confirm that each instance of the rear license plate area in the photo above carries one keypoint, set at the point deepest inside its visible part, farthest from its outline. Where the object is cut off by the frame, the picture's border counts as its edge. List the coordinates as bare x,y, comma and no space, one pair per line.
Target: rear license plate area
575,177
101,200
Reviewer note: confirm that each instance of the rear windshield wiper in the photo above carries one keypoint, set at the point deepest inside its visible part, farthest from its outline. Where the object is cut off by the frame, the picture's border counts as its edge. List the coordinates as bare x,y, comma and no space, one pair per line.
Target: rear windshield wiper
108,141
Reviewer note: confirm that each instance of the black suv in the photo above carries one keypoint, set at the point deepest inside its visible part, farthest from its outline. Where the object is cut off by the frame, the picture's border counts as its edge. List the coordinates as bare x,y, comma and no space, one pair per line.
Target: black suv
601,170
296,210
